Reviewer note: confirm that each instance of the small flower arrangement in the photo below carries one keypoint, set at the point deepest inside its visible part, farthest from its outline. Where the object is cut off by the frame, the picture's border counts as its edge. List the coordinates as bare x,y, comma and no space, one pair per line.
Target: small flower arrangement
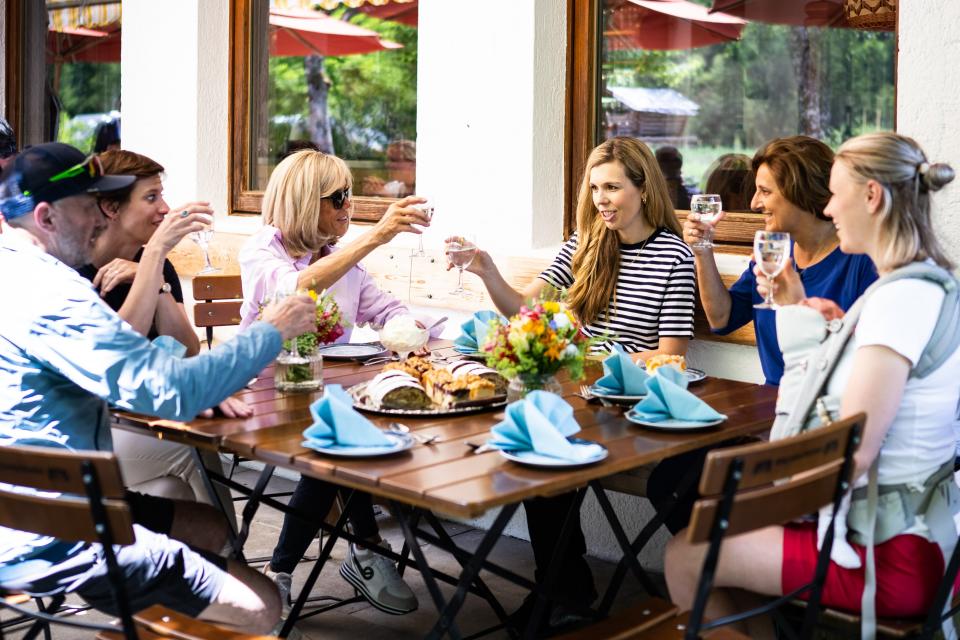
537,343
329,324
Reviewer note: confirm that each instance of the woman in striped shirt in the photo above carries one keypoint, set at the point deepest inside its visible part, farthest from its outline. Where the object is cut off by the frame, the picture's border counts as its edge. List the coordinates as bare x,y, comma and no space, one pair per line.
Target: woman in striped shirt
629,274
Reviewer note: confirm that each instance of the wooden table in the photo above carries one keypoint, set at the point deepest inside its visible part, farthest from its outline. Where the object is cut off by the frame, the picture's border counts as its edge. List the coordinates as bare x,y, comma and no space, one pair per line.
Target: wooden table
447,478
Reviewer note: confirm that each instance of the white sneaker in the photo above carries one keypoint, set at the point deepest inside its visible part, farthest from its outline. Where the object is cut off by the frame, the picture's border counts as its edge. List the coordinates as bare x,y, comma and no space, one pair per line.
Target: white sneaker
283,581
376,579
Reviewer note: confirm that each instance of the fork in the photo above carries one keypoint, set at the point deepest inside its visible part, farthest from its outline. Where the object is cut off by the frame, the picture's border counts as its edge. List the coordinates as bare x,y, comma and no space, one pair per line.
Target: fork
399,427
587,394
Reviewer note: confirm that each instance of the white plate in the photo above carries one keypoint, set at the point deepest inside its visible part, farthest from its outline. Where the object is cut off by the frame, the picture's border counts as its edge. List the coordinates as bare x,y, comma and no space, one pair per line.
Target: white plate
350,351
400,442
693,375
600,392
537,460
672,424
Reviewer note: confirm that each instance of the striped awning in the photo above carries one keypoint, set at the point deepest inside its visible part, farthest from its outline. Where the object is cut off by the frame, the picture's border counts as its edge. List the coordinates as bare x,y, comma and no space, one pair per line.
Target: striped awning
328,5
74,15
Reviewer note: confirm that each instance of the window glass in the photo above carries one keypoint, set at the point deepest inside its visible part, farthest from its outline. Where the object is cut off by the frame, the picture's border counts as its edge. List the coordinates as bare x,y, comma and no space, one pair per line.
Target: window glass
78,89
707,88
343,80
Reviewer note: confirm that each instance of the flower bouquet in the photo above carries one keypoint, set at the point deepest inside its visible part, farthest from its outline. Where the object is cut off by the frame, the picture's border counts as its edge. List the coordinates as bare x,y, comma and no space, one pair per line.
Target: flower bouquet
300,367
532,346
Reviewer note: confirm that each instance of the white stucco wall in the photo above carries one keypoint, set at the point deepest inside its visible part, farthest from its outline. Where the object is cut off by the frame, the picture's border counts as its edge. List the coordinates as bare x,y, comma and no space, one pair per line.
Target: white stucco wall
175,93
928,103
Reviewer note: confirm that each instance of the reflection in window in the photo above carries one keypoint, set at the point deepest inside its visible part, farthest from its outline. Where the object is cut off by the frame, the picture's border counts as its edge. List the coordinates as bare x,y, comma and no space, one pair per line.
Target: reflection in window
81,98
343,81
707,88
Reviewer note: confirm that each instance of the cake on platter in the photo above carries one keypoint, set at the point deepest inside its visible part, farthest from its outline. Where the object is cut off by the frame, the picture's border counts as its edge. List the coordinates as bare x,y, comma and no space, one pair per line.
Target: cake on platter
397,390
451,385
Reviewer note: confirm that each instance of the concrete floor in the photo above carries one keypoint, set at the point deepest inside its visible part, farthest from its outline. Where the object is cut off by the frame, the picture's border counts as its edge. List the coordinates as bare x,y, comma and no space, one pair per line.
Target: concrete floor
360,620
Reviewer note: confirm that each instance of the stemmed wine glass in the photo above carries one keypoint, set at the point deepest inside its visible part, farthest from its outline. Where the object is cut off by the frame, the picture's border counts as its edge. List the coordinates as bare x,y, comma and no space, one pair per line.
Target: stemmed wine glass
427,208
771,250
709,206
460,250
202,238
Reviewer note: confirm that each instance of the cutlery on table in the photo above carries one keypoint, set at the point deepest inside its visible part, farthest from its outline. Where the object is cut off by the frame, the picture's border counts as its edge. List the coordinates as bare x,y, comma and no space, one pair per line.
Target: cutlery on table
481,448
587,394
402,429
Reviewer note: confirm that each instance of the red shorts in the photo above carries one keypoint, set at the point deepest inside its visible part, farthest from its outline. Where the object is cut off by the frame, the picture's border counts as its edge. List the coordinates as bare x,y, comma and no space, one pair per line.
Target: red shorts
909,570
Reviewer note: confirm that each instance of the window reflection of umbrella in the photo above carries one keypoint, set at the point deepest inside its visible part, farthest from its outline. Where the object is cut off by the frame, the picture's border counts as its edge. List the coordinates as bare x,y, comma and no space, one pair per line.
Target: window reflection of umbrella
809,13
668,24
292,33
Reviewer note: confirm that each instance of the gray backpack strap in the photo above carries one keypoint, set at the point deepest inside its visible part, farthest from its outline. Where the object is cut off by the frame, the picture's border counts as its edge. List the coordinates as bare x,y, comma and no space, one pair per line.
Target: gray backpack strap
946,332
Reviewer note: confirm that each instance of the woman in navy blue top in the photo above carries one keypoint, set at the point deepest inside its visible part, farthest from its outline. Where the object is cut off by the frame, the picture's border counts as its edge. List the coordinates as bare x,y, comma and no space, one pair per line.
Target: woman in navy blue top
792,176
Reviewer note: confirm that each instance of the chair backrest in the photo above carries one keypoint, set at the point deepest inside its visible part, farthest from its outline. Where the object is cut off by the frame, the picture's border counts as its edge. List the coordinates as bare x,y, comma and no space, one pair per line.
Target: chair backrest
758,485
767,490
68,517
218,299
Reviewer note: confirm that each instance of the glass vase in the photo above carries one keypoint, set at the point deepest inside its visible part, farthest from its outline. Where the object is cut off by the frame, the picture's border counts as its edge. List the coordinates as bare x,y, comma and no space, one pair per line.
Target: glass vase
299,372
523,384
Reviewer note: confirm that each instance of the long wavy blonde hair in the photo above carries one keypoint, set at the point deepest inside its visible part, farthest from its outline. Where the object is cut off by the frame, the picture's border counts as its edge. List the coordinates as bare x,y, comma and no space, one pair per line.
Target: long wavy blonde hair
596,262
291,201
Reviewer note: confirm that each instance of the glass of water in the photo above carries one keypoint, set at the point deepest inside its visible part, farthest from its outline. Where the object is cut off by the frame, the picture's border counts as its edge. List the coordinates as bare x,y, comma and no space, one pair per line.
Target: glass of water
709,206
202,238
771,250
427,208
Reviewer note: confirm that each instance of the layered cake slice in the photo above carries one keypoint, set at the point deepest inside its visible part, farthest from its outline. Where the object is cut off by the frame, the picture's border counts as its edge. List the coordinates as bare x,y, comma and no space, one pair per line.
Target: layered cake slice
414,366
397,390
462,368
447,390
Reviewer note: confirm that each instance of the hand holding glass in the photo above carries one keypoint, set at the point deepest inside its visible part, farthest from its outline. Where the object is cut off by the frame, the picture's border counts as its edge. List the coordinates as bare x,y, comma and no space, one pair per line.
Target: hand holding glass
202,238
460,252
708,206
771,250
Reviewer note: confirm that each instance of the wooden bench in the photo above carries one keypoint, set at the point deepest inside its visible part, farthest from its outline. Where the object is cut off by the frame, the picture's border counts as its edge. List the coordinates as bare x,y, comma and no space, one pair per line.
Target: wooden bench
217,302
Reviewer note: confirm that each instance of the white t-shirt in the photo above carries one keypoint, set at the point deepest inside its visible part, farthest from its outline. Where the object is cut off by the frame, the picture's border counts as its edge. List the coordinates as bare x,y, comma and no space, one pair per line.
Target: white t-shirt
901,316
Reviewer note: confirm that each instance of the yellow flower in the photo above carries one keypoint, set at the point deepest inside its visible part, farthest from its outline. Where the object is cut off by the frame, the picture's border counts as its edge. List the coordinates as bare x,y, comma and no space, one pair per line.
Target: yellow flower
553,352
312,294
551,306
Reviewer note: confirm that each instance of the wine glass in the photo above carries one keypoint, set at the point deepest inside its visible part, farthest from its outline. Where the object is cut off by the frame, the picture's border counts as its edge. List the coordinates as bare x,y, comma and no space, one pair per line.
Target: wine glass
709,206
427,208
202,238
771,250
460,250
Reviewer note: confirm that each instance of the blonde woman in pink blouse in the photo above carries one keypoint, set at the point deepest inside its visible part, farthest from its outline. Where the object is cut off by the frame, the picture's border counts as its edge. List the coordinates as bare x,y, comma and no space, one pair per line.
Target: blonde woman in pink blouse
306,210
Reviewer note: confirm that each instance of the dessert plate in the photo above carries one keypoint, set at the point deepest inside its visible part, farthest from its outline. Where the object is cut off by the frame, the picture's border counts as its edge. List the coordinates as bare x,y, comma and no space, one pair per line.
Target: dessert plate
399,442
350,351
363,402
605,394
534,459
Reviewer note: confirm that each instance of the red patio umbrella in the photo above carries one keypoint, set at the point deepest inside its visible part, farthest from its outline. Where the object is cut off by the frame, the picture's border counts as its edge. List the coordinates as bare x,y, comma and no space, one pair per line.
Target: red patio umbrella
669,24
406,13
302,32
292,33
808,13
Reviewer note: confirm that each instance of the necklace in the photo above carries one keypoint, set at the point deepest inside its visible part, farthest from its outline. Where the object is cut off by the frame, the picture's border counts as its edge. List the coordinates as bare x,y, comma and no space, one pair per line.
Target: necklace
639,252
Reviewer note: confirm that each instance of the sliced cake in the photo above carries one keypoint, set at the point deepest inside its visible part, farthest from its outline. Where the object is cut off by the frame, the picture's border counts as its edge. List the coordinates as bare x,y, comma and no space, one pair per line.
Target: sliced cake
397,390
447,390
461,368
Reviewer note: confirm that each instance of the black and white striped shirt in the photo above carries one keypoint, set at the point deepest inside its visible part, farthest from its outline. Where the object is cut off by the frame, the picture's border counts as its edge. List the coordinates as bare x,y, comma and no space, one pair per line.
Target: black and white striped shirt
654,294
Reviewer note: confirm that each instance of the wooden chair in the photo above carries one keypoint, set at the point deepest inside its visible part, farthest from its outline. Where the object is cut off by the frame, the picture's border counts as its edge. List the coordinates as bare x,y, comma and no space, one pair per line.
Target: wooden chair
749,487
89,506
218,300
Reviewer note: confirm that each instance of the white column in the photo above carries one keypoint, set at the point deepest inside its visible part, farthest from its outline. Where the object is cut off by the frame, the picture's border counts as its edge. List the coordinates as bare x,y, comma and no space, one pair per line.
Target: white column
928,104
490,107
175,93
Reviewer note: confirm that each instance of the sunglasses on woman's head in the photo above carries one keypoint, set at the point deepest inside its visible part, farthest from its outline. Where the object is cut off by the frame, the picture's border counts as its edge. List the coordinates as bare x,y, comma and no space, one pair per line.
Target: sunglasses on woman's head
338,198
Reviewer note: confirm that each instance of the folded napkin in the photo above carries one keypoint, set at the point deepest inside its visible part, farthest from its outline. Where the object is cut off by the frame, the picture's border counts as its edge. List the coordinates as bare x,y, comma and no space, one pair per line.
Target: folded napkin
541,423
667,397
336,423
474,331
622,376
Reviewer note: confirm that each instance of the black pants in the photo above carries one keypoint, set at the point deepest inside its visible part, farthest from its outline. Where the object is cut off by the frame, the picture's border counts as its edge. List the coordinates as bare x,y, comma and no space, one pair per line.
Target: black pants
545,518
315,497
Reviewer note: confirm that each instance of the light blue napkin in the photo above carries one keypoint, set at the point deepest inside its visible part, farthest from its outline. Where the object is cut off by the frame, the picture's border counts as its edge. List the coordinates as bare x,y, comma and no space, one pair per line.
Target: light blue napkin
475,330
541,423
668,398
336,423
622,376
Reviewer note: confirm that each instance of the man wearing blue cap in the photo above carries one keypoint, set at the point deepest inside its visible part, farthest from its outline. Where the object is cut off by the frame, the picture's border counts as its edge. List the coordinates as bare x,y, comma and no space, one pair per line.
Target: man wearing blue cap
65,355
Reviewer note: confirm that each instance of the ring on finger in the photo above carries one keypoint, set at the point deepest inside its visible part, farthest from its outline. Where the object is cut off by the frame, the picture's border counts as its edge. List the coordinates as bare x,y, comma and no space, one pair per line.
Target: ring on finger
184,213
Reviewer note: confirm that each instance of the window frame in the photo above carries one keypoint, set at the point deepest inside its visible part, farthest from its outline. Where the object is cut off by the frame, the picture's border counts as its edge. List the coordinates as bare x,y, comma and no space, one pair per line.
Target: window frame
584,31
245,201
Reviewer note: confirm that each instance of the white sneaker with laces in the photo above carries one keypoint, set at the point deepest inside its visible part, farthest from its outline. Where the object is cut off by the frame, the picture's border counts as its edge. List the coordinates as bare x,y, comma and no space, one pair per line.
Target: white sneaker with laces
376,579
284,582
